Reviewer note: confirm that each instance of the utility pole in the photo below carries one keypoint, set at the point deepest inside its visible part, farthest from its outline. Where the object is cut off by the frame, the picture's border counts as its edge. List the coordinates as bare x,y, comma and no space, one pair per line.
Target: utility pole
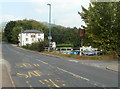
49,37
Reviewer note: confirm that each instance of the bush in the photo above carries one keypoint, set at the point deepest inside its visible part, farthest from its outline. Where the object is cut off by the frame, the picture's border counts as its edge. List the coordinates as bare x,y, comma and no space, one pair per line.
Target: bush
37,46
65,45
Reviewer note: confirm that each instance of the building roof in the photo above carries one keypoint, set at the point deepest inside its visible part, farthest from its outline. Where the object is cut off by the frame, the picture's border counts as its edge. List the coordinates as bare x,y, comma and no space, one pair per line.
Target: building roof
32,31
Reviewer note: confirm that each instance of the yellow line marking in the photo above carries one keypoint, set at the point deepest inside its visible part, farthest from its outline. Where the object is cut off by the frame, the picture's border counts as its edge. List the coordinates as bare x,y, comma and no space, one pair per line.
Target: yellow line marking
26,65
54,83
49,85
37,72
49,74
23,75
34,73
27,81
57,80
31,87
36,65
63,84
46,80
41,81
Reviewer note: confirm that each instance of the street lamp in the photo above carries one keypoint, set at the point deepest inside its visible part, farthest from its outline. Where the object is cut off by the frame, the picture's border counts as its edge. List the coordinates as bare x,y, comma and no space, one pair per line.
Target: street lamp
21,36
49,37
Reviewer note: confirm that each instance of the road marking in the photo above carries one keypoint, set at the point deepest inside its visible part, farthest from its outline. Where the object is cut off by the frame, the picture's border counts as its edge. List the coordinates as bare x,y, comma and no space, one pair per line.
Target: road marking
54,83
46,80
31,87
92,82
26,65
35,73
63,84
41,81
42,61
73,61
23,75
77,76
36,65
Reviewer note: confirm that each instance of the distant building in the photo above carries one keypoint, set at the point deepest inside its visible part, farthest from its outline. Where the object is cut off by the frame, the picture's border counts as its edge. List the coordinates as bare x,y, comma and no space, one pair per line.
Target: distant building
30,36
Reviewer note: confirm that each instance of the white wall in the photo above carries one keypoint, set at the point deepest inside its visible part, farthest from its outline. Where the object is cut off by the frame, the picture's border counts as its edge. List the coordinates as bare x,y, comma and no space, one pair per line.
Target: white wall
24,36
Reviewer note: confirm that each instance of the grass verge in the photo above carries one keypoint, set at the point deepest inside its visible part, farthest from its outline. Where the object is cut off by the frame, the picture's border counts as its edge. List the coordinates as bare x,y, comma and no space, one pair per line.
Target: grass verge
84,57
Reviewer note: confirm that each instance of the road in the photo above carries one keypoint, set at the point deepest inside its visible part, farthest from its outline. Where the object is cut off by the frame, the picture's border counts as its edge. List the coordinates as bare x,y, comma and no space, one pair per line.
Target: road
32,69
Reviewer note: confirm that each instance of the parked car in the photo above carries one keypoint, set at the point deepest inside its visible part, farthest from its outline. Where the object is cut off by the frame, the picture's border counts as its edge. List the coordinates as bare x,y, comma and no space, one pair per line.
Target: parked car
74,53
89,53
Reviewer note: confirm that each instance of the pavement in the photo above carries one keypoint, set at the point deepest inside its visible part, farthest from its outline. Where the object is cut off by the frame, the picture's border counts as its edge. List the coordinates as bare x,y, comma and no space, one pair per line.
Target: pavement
6,80
113,67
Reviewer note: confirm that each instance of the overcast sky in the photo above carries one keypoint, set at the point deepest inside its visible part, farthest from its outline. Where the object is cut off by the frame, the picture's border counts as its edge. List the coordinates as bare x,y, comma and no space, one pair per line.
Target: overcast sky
64,12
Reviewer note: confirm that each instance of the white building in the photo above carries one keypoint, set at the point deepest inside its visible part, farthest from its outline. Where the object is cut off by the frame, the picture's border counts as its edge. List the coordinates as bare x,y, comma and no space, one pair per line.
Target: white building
30,36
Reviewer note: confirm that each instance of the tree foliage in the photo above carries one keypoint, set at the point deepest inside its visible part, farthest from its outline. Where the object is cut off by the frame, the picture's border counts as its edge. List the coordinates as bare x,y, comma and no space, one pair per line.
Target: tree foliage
60,34
63,35
8,30
13,28
102,25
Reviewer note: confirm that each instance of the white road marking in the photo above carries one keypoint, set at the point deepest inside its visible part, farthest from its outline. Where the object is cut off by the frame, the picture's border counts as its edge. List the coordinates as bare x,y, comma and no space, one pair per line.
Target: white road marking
73,61
42,61
77,76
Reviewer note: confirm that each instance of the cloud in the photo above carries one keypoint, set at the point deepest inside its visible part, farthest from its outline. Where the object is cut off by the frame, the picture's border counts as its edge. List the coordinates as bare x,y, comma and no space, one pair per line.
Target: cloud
64,12
6,18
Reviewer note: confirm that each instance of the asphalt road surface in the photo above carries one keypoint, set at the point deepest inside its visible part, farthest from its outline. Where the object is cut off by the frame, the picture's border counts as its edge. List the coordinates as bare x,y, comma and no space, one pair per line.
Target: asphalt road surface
32,69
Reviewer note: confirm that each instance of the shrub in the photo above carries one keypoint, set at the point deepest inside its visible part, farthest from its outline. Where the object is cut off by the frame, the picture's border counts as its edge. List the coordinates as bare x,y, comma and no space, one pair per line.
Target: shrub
37,46
65,45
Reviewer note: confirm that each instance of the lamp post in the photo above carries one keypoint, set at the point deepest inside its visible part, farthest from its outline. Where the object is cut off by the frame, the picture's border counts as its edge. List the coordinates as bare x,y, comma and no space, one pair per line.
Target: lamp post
49,37
21,36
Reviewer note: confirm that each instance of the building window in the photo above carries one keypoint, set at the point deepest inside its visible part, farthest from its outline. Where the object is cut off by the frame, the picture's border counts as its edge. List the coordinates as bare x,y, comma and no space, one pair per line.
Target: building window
32,39
38,34
26,34
26,39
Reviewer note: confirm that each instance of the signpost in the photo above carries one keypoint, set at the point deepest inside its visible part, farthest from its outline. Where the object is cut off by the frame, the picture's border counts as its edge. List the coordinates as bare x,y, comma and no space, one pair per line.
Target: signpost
82,34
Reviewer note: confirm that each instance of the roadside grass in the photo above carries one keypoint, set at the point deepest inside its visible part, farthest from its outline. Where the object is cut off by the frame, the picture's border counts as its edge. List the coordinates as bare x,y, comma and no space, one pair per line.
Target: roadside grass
85,57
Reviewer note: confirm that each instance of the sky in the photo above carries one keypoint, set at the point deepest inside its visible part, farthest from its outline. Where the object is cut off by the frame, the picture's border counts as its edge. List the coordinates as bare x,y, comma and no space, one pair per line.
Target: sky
64,12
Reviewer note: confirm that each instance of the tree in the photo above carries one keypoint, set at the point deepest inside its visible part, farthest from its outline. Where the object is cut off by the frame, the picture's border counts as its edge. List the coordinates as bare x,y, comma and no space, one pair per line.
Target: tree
8,30
101,19
13,28
15,32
